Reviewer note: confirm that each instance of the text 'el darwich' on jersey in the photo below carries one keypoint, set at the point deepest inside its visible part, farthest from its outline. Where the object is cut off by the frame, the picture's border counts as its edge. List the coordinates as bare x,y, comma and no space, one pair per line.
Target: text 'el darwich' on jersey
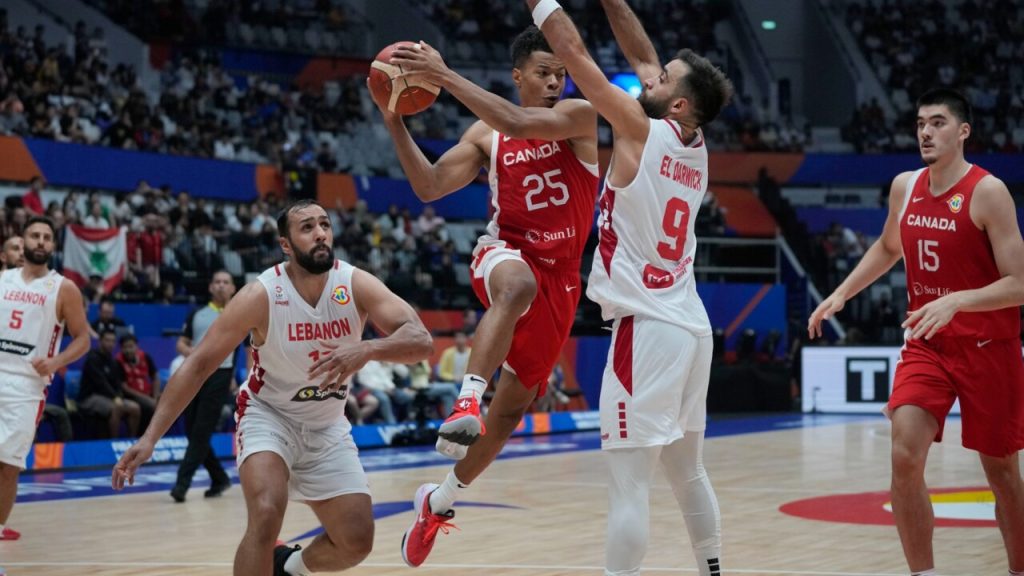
29,329
645,256
944,252
295,333
543,198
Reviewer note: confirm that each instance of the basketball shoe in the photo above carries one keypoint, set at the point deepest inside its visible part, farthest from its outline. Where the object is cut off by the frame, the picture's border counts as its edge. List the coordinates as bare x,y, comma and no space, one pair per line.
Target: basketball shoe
9,534
281,553
460,429
419,538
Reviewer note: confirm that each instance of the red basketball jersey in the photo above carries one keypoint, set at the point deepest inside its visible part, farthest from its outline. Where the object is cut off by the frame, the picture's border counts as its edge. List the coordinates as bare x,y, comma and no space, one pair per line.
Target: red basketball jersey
945,252
543,197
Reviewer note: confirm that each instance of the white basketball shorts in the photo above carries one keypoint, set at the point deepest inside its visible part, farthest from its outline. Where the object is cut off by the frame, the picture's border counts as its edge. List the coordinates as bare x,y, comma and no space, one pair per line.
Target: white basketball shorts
655,383
324,462
17,430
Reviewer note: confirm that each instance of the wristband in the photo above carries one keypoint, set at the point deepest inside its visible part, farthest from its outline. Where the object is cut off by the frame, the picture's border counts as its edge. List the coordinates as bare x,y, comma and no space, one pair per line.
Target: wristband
544,9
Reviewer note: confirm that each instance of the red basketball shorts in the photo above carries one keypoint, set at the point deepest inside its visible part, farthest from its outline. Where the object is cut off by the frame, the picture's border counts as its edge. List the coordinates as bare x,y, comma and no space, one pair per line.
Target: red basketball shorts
541,332
987,376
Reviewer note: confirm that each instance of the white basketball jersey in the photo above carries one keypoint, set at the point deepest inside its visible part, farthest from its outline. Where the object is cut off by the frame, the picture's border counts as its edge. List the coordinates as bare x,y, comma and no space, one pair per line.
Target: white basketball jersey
29,329
644,260
294,334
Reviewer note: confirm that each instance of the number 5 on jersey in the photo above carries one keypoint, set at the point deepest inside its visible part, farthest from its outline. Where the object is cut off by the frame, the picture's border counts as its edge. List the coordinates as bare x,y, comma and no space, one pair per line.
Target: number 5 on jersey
15,323
538,184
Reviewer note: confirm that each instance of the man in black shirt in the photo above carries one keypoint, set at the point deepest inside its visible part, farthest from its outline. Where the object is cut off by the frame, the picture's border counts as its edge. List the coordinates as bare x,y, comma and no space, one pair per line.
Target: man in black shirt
102,390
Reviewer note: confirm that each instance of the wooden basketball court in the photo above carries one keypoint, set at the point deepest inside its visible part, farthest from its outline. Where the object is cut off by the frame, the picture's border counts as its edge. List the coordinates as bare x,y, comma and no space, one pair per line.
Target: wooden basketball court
555,520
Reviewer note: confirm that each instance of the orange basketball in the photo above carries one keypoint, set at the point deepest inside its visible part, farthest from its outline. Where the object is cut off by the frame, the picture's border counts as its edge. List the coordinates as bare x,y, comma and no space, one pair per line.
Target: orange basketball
404,95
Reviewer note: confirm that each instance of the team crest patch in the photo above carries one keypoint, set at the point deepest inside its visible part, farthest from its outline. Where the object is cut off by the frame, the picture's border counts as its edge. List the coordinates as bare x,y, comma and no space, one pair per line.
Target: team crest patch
956,203
340,294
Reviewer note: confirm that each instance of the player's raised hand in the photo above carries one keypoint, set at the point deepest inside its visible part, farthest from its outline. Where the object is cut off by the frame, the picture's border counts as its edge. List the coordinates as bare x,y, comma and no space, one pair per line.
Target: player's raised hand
421,60
124,470
828,308
929,319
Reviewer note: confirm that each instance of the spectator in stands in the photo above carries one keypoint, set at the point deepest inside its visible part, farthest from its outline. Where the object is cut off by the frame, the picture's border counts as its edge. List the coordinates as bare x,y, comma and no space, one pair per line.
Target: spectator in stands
452,365
141,380
429,222
108,321
378,379
470,318
433,392
102,390
92,293
13,254
32,200
96,217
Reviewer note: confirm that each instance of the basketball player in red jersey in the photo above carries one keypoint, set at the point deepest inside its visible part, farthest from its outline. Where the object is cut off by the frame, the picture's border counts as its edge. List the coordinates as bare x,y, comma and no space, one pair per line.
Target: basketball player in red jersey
955,226
542,162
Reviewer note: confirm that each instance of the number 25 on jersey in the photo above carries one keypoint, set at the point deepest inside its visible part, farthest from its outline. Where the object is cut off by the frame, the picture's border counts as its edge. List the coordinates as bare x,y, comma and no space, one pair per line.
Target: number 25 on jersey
536,185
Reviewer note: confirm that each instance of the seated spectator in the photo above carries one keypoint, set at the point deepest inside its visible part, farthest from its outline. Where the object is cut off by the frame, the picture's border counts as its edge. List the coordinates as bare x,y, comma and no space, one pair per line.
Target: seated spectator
452,365
32,200
108,321
141,380
102,389
378,380
92,292
444,393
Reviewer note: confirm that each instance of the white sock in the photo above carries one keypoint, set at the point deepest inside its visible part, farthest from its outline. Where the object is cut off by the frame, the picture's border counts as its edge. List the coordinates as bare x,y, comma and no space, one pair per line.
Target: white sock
473,385
441,500
1015,573
295,566
925,573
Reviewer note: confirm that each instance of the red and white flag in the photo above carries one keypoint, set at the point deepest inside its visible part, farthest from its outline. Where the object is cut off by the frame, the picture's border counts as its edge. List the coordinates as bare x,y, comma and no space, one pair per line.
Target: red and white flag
95,252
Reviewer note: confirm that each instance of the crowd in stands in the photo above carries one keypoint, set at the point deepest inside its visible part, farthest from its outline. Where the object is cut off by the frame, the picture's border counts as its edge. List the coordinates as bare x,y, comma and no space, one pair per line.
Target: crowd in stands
70,93
908,45
175,242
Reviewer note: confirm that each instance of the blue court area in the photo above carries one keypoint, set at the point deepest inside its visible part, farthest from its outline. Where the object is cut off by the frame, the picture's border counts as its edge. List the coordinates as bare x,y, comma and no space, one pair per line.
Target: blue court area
94,483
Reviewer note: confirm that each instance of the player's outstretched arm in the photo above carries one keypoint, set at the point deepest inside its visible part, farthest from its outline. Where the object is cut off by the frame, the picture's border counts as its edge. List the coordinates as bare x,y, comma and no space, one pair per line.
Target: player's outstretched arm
882,255
567,119
992,210
632,39
73,313
452,171
406,340
624,113
245,312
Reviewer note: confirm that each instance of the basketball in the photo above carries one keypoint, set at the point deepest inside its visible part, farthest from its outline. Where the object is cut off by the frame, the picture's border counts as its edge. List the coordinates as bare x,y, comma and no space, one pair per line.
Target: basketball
405,95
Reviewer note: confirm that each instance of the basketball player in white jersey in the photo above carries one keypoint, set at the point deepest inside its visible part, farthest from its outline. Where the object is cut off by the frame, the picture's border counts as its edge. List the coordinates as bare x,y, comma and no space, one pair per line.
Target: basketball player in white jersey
306,319
655,382
36,304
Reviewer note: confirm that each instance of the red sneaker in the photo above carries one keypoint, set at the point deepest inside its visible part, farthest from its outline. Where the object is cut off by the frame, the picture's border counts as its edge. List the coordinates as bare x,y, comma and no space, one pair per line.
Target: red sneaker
419,538
9,534
460,429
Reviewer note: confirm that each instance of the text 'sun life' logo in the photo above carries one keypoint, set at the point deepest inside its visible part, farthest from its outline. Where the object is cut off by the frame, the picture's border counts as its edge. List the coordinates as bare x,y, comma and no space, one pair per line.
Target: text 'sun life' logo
867,379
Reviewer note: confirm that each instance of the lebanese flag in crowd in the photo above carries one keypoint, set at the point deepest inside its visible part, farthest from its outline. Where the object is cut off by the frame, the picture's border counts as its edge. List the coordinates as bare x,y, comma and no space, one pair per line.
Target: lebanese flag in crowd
95,251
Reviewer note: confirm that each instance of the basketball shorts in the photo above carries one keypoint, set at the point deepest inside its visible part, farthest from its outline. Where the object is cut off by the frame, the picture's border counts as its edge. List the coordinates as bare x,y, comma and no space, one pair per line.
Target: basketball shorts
986,376
655,383
544,328
18,422
324,462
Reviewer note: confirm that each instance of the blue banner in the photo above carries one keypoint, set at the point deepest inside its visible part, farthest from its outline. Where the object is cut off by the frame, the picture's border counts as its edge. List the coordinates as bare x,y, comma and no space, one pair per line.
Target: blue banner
78,165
